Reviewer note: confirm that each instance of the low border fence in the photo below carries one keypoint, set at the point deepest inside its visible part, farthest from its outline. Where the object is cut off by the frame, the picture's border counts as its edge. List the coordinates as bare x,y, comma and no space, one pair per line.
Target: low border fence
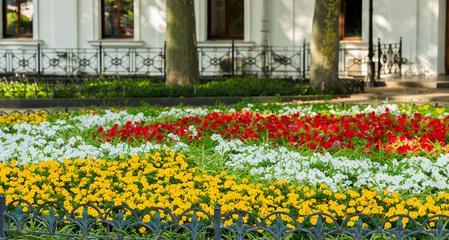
89,222
225,60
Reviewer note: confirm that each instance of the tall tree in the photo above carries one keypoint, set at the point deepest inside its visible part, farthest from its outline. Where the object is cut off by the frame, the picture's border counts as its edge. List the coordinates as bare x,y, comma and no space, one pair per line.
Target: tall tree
325,46
181,53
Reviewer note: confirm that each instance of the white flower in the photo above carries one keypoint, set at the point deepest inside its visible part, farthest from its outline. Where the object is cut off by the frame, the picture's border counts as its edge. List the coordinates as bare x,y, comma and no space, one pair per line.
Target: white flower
173,137
192,130
412,174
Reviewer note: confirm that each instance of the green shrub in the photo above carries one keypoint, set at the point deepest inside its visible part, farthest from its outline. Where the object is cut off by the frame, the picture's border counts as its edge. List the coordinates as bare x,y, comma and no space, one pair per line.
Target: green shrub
107,88
24,90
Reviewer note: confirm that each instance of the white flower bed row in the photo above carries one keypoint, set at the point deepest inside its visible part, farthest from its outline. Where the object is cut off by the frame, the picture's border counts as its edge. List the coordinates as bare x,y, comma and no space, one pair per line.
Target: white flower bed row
294,109
121,117
412,174
353,110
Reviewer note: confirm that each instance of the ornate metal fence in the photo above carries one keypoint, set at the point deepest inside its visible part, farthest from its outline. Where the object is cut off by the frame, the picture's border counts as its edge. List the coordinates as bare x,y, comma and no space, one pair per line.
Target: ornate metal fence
21,219
226,60
389,59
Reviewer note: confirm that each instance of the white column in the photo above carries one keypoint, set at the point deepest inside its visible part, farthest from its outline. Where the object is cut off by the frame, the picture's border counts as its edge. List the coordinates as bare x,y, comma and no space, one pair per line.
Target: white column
265,22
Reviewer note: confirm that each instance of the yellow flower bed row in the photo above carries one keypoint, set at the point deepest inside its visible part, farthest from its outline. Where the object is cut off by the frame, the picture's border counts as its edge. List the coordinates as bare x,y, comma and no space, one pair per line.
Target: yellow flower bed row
166,180
16,118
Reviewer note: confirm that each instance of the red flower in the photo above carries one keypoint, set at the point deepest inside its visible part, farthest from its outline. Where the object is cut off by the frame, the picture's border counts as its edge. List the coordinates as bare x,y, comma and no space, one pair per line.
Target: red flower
368,132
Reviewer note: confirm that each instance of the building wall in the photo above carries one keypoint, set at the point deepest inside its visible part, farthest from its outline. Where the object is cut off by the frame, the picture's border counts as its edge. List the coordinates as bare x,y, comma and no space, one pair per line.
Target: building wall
290,21
431,34
421,23
393,20
58,23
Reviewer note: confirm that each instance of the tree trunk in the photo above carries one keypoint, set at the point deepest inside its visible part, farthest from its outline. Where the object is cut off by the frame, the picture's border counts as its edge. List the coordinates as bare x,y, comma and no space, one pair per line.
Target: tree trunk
325,46
181,53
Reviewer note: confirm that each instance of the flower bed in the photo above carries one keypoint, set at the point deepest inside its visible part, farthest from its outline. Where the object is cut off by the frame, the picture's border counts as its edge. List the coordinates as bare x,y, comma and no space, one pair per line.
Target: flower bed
167,180
369,133
378,160
17,117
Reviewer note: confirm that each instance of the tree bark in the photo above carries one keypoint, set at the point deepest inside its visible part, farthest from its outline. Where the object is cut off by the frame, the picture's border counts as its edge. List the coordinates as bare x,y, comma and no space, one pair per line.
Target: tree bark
181,52
325,46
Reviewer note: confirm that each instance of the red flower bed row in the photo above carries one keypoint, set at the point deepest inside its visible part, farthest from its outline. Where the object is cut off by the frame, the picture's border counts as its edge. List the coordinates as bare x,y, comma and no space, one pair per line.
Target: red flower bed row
368,131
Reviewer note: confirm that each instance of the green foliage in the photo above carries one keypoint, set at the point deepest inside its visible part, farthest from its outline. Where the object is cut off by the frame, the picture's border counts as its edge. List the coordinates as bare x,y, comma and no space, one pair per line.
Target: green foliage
23,90
106,88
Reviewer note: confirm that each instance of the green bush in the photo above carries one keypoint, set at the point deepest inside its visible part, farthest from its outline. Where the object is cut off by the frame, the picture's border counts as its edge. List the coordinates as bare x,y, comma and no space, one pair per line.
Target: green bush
24,90
106,88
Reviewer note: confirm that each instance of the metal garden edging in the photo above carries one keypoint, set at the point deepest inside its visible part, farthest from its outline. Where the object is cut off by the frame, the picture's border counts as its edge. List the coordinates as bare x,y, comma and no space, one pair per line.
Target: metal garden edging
119,222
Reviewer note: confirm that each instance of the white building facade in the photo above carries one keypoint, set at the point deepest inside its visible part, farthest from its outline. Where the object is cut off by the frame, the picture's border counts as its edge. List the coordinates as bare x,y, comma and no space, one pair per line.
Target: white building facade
84,24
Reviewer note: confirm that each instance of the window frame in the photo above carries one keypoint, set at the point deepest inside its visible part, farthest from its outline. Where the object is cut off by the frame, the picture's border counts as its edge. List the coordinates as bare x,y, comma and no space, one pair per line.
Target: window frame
212,37
342,24
5,35
102,23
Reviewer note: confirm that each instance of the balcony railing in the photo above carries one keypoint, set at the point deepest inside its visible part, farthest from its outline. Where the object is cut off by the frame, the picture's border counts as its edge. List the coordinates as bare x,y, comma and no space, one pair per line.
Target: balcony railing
270,61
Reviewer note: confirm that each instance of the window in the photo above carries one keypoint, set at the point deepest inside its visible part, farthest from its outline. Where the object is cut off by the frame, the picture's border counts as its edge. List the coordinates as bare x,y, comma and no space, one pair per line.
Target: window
18,18
117,18
226,19
351,20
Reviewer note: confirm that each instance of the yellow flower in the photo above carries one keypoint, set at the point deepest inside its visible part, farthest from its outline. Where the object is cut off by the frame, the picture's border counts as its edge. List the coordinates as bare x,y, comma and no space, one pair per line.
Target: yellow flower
167,180
17,118
351,210
439,111
340,196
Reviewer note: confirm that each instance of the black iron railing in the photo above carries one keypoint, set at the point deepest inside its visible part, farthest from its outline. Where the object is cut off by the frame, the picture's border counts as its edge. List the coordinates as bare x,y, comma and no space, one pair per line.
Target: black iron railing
389,58
21,219
226,60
